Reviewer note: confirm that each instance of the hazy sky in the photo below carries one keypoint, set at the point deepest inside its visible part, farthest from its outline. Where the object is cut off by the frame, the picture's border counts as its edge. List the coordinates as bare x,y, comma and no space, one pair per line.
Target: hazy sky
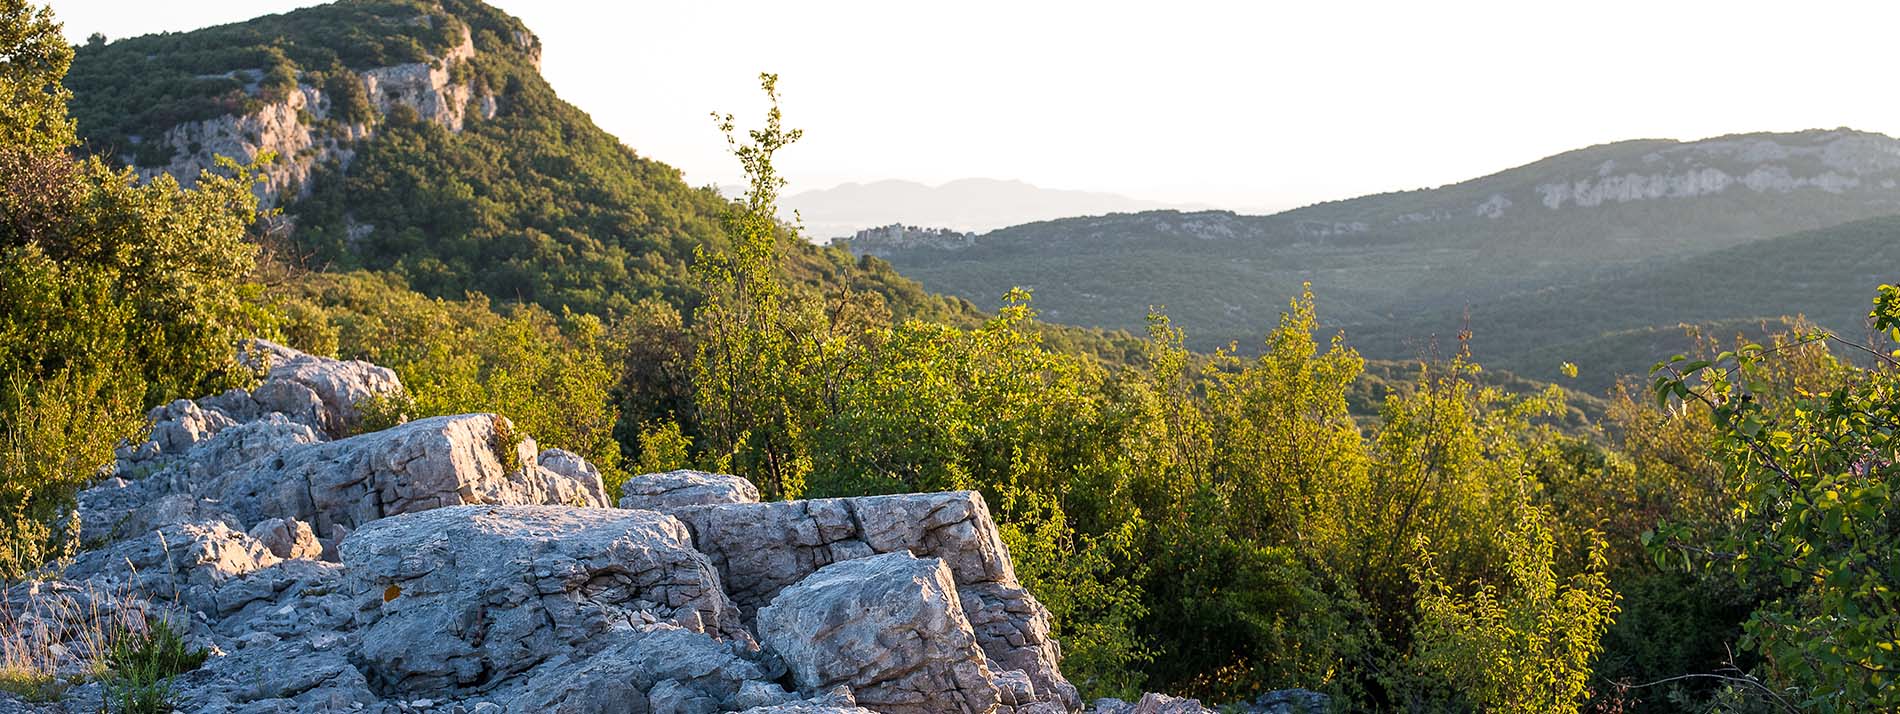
1246,104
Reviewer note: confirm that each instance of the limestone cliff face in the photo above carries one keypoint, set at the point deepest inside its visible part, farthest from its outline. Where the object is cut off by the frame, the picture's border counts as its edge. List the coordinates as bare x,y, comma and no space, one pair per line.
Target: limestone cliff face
1834,162
305,128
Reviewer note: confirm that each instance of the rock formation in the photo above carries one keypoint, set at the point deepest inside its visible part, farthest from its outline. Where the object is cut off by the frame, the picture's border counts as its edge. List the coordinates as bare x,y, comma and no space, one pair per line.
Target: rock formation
447,565
306,128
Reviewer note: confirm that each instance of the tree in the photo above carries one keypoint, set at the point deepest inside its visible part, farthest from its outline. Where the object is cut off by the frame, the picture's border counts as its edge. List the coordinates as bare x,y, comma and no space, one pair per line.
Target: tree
747,366
114,296
34,58
1814,476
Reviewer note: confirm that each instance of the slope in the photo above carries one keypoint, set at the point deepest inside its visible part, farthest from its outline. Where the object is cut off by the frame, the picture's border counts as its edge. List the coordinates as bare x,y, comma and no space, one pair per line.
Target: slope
1573,219
1623,326
419,138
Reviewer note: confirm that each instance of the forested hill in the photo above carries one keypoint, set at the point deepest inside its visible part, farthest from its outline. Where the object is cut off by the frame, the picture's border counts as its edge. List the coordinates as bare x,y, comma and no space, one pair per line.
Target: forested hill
1625,325
1378,262
419,138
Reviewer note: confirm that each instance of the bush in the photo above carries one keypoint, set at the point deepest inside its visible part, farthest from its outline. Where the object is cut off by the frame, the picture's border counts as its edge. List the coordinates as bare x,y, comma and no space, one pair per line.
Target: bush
140,668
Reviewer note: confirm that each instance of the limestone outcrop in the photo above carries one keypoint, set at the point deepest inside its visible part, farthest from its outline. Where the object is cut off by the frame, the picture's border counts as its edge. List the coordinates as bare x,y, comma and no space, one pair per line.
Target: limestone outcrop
448,564
679,489
306,127
763,548
888,626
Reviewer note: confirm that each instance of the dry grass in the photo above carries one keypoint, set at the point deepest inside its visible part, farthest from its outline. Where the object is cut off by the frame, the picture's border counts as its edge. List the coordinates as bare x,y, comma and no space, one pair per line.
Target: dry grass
59,634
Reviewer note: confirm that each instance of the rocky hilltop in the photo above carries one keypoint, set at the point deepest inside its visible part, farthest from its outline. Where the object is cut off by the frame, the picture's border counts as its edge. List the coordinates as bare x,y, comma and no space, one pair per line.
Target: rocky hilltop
884,240
306,129
448,564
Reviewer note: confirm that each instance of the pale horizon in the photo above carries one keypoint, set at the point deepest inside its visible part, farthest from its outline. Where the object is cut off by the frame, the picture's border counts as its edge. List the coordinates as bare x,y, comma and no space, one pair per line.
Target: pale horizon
1254,109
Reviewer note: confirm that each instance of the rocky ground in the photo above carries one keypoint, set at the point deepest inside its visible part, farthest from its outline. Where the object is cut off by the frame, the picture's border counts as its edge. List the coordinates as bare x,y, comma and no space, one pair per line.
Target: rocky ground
448,565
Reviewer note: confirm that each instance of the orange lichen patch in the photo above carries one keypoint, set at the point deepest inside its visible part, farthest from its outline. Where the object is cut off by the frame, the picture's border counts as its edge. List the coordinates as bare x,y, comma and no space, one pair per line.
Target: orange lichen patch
391,592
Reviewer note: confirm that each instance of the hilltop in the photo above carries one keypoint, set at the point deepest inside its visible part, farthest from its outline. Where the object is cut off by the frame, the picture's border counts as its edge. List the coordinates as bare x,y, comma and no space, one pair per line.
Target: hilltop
1380,262
972,204
419,138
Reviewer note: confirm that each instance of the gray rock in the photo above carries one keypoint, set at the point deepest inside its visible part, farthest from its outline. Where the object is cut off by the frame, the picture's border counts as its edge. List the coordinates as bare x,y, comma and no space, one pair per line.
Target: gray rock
424,464
678,489
317,392
290,676
294,377
890,627
458,597
569,465
1151,703
294,599
63,620
652,668
287,538
763,548
184,564
1289,701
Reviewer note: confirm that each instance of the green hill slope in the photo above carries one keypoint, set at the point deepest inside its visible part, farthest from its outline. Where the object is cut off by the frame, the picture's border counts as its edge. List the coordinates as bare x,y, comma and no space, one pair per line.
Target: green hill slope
419,138
1623,326
1377,262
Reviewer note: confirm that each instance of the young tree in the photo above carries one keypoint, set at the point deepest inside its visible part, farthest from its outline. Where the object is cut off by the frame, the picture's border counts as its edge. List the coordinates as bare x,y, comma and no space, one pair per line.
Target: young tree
114,296
1814,475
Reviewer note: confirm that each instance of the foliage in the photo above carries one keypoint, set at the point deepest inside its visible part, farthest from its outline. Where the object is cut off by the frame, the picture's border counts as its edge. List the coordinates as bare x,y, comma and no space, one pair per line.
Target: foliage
140,668
32,100
135,89
746,349
1596,286
550,375
1526,649
1812,476
113,296
1415,535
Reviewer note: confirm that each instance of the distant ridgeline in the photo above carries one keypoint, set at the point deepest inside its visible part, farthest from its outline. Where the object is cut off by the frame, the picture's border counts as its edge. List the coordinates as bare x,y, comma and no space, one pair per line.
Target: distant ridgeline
420,138
1612,244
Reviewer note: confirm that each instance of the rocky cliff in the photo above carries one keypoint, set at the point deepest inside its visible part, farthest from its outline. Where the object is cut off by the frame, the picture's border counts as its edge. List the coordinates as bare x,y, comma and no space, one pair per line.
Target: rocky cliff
448,564
308,128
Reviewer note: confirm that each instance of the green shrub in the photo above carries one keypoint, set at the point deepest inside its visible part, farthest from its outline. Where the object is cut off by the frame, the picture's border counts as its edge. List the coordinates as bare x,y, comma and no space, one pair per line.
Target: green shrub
140,668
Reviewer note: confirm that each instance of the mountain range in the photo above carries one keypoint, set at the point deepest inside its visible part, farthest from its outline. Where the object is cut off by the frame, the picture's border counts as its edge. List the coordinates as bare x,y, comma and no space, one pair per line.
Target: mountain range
1530,259
971,204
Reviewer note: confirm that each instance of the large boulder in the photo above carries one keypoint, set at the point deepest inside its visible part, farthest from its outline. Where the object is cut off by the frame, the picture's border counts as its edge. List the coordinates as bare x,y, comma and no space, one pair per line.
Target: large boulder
763,548
653,668
1152,703
888,626
184,563
317,392
457,598
424,464
678,489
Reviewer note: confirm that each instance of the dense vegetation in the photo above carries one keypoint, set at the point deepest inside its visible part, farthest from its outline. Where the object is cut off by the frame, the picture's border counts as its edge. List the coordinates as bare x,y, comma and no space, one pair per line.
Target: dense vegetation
1425,538
138,88
113,296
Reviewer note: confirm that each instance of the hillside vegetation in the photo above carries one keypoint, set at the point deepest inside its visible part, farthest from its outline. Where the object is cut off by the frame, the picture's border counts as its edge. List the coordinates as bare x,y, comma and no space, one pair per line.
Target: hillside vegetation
1398,269
1824,275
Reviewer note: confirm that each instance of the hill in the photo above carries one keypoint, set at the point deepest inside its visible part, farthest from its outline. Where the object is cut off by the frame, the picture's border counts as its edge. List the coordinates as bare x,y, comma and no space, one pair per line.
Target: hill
1380,262
972,204
419,138
1624,325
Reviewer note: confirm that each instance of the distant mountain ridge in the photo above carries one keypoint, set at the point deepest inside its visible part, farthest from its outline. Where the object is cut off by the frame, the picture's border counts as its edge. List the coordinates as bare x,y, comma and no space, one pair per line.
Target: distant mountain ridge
967,205
1377,262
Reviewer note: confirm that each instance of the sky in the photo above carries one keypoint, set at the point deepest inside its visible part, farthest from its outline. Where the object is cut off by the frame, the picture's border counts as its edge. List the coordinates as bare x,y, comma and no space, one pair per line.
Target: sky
1254,106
